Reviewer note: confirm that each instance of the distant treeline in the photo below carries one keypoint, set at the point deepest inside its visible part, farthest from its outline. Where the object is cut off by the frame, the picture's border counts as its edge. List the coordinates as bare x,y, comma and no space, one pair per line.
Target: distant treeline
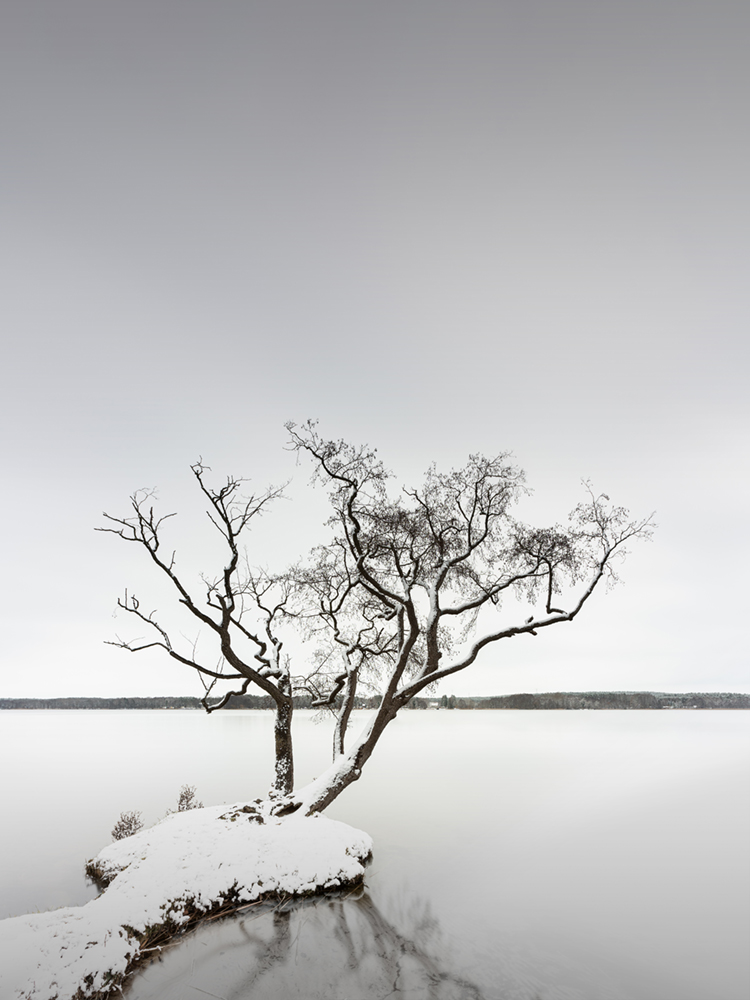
238,701
609,700
558,700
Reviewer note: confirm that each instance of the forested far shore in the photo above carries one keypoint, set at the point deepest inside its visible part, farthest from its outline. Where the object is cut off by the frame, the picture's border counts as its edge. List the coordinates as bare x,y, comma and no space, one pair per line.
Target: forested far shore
643,700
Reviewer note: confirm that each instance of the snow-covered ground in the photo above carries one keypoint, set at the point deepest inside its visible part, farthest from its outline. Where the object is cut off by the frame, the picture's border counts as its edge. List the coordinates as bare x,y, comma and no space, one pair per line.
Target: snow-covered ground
189,861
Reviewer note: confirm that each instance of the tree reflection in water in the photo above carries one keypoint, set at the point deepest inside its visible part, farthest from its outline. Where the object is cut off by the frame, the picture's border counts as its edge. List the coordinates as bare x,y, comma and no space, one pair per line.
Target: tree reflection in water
342,948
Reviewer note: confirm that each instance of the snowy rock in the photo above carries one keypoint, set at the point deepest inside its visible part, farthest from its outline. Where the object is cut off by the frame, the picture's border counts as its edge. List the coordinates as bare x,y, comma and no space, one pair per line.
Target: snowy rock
161,879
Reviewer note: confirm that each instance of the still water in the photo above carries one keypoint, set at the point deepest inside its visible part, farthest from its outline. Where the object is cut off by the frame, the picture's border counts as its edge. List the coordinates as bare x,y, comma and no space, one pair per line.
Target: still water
518,855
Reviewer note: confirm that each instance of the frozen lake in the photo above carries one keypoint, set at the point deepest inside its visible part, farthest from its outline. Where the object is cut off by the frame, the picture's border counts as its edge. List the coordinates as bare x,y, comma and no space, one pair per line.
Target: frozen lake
518,855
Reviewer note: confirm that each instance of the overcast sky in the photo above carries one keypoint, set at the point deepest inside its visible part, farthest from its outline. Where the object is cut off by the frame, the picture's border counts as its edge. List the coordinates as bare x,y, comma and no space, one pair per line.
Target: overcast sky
440,228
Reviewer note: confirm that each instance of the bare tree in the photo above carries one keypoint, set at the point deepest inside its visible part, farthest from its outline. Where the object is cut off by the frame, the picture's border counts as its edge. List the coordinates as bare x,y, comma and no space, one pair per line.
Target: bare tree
411,588
239,608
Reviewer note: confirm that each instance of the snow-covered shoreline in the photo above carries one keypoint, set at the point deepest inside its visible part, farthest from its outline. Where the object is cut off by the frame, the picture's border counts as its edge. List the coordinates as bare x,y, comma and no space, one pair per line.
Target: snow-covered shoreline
162,880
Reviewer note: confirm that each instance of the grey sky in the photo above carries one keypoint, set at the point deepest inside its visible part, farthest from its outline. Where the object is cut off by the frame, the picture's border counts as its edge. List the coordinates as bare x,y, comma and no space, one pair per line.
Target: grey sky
438,227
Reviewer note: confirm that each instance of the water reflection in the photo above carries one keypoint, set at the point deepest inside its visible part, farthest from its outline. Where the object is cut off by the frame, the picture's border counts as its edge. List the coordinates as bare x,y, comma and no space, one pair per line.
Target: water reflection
329,948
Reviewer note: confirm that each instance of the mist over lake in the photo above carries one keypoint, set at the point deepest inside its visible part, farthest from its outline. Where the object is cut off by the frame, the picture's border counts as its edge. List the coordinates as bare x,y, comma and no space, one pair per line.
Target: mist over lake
560,855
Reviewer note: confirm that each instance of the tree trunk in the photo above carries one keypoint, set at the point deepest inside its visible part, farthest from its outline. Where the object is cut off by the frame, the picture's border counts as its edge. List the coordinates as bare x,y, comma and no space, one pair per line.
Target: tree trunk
345,769
284,772
342,720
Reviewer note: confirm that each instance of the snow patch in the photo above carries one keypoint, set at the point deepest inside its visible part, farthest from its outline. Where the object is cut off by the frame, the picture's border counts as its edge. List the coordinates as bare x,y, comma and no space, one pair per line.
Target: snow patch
189,861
